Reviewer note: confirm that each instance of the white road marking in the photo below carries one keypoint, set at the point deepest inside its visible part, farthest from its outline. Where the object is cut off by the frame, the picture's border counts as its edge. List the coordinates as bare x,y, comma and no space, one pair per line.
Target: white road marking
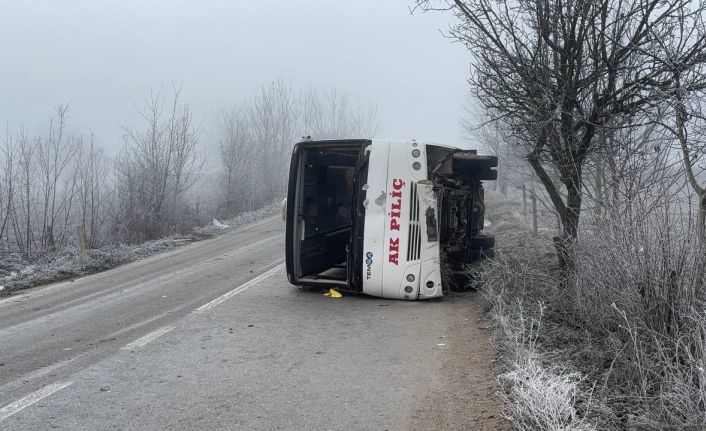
30,399
268,239
37,374
140,342
260,223
243,287
48,369
139,324
102,297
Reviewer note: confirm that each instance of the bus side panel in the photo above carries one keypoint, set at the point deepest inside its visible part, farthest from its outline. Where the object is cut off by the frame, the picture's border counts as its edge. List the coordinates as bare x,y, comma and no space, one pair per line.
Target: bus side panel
412,262
373,242
401,261
290,222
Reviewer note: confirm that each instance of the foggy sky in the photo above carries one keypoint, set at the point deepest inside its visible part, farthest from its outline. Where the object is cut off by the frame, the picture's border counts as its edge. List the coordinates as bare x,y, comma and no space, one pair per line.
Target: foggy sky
104,57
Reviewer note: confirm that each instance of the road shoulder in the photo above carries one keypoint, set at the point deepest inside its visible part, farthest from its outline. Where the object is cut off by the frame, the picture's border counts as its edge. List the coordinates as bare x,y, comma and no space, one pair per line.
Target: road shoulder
468,395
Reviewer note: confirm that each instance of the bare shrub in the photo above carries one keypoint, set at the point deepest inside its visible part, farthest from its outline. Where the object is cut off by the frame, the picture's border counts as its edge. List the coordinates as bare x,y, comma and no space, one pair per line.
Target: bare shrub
54,156
92,187
636,293
158,164
538,395
563,73
273,115
628,326
255,140
40,186
542,399
8,156
330,114
237,162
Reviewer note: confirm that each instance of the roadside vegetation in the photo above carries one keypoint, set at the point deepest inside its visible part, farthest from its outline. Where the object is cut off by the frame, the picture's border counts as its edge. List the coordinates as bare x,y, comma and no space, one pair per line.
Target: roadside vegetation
21,271
68,208
623,348
596,111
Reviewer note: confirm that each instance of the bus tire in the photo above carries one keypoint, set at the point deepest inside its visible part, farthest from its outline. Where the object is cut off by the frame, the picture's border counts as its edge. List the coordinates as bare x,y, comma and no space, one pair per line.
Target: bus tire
476,255
489,176
482,242
480,167
471,162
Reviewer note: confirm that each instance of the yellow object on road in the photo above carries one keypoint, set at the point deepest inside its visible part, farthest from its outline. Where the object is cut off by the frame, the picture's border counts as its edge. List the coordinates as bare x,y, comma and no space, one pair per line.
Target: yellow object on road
333,293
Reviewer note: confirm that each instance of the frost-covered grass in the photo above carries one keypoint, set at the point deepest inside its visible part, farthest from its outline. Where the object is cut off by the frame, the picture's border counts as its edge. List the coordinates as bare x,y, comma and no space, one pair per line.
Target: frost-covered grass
541,391
539,398
18,271
618,347
219,226
538,394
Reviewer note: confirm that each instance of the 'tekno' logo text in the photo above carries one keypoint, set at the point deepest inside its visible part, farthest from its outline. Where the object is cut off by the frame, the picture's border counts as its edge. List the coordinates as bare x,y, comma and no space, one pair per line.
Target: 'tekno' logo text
369,264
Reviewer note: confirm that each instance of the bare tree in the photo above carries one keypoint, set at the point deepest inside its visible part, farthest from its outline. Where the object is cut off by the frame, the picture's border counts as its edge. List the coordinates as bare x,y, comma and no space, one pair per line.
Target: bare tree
560,72
255,140
494,137
158,164
55,152
688,128
54,182
26,152
237,159
183,140
92,185
273,115
8,154
332,115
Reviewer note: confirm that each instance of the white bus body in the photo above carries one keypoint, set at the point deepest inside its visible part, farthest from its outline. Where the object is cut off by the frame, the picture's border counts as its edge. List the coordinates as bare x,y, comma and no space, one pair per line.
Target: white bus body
378,217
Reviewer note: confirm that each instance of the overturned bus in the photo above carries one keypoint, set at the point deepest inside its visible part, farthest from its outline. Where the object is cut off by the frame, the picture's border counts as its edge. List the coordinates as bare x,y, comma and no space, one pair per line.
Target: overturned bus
388,219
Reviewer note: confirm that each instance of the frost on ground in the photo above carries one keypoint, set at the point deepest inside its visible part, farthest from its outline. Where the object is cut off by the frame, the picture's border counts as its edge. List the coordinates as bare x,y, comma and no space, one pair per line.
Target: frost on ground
540,392
538,395
217,227
619,347
541,399
18,271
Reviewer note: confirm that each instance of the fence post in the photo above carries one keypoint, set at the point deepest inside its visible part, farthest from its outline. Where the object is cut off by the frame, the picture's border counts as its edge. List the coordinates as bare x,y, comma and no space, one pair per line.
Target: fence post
534,215
82,242
50,238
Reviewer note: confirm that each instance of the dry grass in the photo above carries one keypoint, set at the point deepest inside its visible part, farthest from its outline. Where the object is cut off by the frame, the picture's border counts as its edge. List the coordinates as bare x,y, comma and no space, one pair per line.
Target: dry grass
623,348
19,271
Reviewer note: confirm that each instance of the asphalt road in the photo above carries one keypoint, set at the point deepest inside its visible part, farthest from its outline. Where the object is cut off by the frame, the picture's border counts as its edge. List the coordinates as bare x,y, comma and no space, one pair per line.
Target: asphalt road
212,336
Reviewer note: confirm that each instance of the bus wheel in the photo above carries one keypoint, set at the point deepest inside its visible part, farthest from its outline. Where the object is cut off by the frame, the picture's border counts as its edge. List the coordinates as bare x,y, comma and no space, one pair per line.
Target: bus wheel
476,255
482,242
480,167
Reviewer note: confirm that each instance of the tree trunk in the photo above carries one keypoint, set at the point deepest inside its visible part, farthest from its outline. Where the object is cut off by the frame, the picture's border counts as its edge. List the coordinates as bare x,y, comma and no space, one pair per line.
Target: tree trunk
568,211
535,216
599,186
701,249
569,223
701,221
681,134
50,238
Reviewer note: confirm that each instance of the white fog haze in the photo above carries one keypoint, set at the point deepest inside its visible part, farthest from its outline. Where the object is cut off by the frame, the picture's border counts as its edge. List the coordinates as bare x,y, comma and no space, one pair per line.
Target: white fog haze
104,57
353,215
